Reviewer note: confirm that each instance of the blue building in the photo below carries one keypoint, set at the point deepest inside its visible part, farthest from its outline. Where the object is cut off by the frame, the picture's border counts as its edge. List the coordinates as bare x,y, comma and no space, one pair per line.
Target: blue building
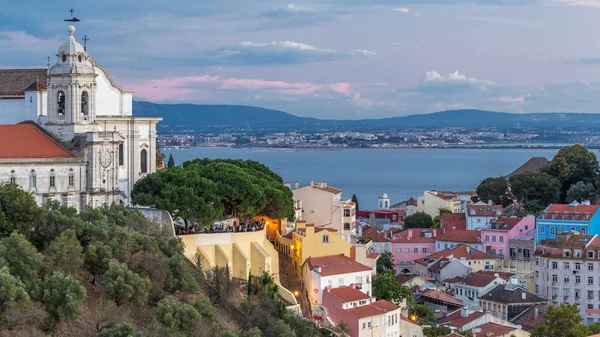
564,218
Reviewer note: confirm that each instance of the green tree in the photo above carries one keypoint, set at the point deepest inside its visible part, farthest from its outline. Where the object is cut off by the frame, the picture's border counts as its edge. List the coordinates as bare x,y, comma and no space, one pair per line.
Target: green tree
123,285
300,325
561,321
385,287
572,164
175,316
18,210
23,261
424,314
264,285
494,189
437,220
171,162
355,200
65,254
12,290
96,259
63,296
436,331
535,190
418,220
120,330
385,262
581,191
254,332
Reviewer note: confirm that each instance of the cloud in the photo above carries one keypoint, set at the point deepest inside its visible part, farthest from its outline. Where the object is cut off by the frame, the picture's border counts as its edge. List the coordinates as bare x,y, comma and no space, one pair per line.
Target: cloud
504,21
581,3
290,10
401,10
283,52
20,40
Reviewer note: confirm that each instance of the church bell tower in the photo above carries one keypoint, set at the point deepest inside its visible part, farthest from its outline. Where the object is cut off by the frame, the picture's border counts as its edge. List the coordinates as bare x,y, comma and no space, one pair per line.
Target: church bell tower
71,91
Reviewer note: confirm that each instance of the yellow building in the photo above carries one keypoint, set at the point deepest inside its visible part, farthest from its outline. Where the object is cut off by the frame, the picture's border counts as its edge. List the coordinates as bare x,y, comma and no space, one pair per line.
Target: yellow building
432,201
310,241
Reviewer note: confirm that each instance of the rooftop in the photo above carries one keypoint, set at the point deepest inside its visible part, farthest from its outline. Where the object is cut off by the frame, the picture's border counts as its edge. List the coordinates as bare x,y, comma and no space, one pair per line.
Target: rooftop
533,165
555,248
573,211
453,216
376,308
16,81
483,209
457,320
458,252
28,141
511,294
483,278
348,294
494,330
504,223
438,295
461,235
335,265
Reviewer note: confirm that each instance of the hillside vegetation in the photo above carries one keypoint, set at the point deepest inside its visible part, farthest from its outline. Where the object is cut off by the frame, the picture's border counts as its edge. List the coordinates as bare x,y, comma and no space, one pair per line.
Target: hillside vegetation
95,273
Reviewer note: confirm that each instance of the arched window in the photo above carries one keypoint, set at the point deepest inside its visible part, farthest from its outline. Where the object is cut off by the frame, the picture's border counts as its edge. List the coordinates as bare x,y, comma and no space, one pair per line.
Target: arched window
60,103
32,179
71,178
13,179
121,155
52,178
144,161
85,103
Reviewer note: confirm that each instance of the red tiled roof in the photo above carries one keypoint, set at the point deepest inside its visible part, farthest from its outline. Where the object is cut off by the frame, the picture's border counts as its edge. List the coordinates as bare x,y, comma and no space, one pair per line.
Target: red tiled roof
484,210
550,248
374,235
335,265
494,330
327,189
461,235
574,213
483,278
504,223
444,195
438,295
320,229
455,319
459,251
348,294
373,309
28,140
453,216
453,334
373,255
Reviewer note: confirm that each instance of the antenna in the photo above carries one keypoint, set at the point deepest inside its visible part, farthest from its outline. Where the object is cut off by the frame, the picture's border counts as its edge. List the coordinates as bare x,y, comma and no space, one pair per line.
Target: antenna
72,19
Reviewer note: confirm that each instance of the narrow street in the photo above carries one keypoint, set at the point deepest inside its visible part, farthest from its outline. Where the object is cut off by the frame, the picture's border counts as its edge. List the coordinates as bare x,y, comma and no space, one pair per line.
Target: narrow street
289,280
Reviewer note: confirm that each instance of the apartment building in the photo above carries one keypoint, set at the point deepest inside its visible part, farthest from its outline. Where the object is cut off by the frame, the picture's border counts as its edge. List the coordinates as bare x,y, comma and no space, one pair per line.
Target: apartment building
562,218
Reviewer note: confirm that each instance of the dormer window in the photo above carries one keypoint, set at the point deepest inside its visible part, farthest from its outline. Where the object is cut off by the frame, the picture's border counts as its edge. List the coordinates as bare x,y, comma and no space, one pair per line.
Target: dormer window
64,58
80,58
60,103
85,102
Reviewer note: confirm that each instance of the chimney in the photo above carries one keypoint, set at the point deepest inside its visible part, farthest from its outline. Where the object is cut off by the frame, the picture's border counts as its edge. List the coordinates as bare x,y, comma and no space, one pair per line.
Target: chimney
464,312
585,202
536,312
296,184
523,296
353,286
496,275
328,289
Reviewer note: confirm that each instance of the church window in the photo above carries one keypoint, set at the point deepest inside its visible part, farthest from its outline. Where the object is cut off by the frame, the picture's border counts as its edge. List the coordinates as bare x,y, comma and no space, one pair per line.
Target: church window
71,178
52,178
64,58
32,179
121,155
13,179
144,161
60,103
80,58
85,103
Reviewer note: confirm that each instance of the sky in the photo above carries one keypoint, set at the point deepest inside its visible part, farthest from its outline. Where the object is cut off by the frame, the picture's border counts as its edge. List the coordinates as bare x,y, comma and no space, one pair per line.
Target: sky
333,59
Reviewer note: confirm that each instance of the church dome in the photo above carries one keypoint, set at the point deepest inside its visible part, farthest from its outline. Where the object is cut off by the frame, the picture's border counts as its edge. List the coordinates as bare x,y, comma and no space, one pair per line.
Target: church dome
72,58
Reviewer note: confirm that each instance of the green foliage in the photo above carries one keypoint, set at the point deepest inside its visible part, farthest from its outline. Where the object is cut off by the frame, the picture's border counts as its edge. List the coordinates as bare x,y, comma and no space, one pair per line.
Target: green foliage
63,296
206,190
385,262
23,261
535,190
581,191
561,321
355,200
300,326
263,285
18,210
385,287
494,189
181,275
171,162
120,330
424,314
437,331
65,254
97,256
572,164
12,290
176,317
418,220
123,285
254,332
437,220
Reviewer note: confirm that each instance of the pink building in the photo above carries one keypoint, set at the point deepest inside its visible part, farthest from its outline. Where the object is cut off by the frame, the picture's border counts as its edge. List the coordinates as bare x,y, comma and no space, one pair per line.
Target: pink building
412,244
496,235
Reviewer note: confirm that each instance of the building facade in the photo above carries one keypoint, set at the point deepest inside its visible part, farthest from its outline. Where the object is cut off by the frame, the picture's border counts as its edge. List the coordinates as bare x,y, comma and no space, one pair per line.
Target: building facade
497,235
563,218
432,201
480,214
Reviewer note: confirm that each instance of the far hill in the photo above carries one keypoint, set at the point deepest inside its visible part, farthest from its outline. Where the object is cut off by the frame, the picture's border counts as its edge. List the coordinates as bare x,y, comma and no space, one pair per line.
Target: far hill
236,117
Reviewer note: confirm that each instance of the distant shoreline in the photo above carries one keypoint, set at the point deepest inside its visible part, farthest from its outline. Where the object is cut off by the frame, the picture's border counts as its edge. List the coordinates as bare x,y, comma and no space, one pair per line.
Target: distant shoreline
479,147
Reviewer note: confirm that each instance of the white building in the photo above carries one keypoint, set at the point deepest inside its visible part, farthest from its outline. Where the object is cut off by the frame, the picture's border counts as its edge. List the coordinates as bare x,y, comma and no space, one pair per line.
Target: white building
470,287
384,202
568,271
80,105
480,214
432,201
335,271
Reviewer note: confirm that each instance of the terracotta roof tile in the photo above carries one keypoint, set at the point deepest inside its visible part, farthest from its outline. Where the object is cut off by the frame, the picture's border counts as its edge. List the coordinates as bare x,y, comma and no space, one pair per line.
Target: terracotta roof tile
459,251
484,210
335,265
327,189
508,293
571,213
373,309
438,295
533,165
453,334
348,294
483,278
504,223
14,82
453,216
33,142
461,235
455,319
494,330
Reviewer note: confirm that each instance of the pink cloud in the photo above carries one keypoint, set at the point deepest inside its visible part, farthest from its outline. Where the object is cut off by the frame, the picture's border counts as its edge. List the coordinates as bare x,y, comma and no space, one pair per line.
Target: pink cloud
184,87
518,100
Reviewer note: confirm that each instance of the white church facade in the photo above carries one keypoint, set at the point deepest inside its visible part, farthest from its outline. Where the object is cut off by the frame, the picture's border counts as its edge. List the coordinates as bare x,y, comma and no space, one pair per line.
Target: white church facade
74,105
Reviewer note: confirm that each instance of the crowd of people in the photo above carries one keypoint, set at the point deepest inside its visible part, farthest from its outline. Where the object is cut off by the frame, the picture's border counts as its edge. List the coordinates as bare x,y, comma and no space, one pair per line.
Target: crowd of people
193,228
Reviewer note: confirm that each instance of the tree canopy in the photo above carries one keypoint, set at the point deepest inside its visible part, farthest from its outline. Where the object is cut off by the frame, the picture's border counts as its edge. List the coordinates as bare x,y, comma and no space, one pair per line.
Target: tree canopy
581,191
437,220
210,189
418,220
573,164
561,321
385,262
171,162
535,190
494,189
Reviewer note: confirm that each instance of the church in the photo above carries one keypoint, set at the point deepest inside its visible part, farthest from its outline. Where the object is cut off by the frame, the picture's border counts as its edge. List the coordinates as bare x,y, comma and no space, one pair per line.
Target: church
67,132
